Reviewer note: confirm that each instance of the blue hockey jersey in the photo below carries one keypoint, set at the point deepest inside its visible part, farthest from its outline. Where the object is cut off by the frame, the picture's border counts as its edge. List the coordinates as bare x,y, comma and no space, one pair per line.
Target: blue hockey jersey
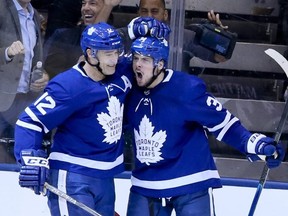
170,144
88,116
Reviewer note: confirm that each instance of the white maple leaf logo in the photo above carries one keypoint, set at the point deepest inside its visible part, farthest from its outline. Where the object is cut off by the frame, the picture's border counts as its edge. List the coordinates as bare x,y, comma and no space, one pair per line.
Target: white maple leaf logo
148,144
112,121
91,30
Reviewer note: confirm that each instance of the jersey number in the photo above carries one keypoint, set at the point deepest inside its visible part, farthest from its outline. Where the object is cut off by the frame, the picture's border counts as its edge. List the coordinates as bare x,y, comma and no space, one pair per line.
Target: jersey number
213,102
50,104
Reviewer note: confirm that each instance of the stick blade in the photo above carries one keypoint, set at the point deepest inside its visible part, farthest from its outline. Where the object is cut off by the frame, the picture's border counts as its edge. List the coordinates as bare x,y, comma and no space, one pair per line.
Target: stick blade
279,58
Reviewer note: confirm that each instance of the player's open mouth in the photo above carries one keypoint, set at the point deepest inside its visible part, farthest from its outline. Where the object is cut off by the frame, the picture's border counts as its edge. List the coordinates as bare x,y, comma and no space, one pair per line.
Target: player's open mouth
138,75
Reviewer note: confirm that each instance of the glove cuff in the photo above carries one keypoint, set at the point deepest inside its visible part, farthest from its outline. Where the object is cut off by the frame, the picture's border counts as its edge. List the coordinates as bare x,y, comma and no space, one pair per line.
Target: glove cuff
131,33
32,157
35,161
131,29
252,142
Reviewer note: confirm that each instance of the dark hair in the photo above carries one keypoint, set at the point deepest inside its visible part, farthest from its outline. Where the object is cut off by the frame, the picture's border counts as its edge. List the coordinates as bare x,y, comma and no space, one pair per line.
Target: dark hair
162,2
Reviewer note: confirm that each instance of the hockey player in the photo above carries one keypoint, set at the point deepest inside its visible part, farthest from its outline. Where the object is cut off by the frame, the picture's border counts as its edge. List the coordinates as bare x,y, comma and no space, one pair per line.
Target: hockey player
85,103
170,113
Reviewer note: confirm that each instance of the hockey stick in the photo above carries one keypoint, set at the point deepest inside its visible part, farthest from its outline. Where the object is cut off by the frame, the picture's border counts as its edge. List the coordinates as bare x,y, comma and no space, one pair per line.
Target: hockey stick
70,199
284,65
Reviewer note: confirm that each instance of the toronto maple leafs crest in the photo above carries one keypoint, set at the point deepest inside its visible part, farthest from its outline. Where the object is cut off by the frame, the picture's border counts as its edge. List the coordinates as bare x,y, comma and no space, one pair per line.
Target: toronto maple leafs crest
112,121
148,143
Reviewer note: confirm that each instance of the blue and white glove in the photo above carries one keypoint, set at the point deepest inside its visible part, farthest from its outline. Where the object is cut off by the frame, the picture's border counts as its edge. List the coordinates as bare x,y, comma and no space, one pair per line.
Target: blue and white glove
34,170
147,26
159,29
260,147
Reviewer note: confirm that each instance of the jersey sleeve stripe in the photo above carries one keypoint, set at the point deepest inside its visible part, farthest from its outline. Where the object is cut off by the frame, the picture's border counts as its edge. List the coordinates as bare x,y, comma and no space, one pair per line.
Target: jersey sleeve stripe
34,118
29,126
226,128
222,124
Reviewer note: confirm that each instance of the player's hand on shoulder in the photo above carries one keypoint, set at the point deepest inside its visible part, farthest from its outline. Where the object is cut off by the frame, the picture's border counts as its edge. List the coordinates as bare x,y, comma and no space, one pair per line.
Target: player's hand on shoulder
261,147
34,170
81,58
147,26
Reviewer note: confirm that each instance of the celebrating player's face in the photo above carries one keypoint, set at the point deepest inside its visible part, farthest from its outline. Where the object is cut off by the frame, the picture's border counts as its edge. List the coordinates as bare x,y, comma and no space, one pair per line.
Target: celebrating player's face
143,68
108,60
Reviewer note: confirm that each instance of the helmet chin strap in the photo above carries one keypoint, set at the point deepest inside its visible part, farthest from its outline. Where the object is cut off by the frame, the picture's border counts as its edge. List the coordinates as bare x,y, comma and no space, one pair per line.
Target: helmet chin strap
96,65
154,77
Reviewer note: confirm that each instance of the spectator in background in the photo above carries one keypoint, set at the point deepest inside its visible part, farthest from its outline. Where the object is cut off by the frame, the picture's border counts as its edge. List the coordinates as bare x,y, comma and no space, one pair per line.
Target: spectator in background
20,49
63,49
62,14
157,9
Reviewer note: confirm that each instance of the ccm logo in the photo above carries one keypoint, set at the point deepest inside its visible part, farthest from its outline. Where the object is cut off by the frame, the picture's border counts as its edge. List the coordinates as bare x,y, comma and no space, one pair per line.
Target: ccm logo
36,161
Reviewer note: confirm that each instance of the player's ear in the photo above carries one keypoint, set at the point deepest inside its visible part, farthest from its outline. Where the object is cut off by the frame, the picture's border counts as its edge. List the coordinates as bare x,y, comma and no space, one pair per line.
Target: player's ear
92,54
160,65
166,14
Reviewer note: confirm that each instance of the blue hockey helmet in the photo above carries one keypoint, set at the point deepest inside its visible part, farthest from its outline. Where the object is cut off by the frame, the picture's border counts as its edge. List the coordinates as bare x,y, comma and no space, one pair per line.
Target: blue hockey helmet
100,36
158,49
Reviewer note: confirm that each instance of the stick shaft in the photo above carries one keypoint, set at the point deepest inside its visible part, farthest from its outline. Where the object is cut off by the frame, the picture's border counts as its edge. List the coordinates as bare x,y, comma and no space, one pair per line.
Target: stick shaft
70,199
265,171
259,190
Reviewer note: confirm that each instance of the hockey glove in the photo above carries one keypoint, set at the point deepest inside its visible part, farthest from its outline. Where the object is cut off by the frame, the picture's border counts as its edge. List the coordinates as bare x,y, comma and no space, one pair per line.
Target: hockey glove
260,147
147,26
158,29
34,170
